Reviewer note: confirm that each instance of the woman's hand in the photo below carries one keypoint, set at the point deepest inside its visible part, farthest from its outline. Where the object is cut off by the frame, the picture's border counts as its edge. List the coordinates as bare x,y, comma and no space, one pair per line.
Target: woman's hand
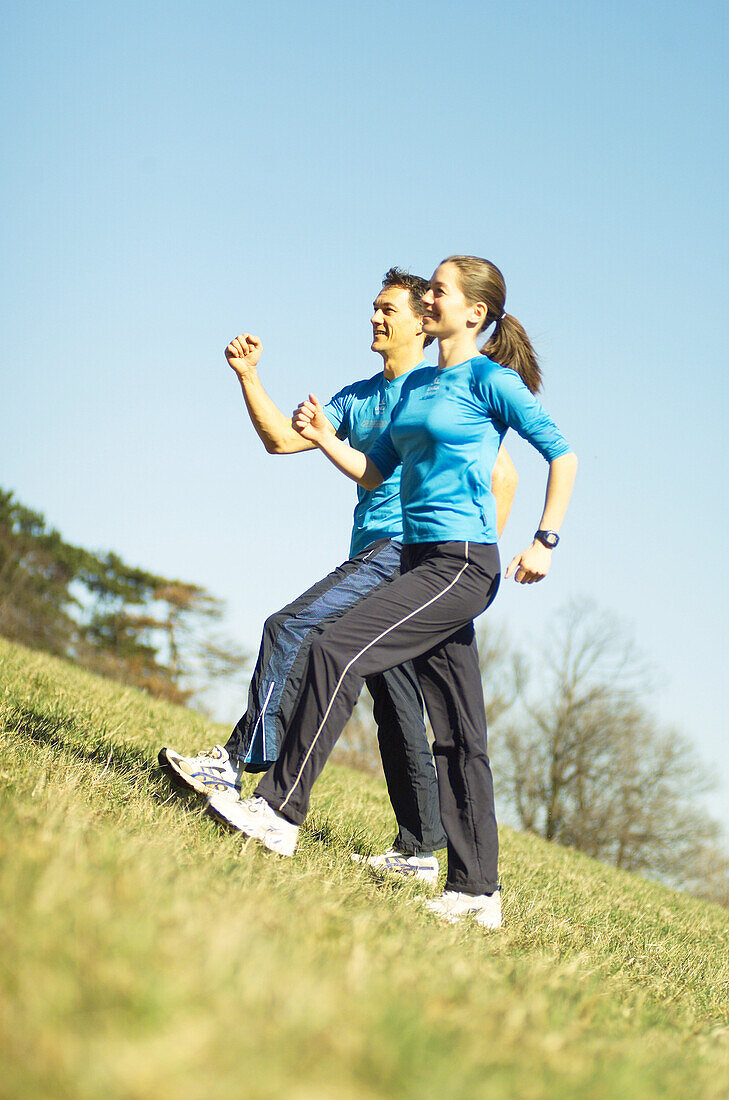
310,422
243,354
530,566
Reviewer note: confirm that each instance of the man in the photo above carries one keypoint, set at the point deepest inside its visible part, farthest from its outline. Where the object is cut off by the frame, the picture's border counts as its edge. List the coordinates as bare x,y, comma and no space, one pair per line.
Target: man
358,413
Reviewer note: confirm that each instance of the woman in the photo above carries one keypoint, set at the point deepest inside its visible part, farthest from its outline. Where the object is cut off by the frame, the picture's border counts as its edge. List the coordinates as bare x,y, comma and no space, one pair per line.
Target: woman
446,431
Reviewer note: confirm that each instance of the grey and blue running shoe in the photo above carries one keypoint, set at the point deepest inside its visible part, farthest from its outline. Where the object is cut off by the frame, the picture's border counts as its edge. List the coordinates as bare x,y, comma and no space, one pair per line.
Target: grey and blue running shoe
210,772
395,862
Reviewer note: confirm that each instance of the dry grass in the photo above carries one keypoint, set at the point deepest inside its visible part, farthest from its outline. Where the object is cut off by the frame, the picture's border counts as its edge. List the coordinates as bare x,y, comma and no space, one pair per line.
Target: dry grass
147,954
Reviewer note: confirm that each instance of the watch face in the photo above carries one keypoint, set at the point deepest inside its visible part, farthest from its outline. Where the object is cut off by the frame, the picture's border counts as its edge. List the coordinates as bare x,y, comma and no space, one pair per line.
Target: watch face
548,538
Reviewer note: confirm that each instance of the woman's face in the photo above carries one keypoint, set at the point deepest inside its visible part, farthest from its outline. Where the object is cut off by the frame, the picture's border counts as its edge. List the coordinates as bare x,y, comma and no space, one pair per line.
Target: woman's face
447,311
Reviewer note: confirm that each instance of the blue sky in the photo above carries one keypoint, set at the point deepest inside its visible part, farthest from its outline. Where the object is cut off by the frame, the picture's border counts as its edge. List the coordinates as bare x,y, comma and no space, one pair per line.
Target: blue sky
177,173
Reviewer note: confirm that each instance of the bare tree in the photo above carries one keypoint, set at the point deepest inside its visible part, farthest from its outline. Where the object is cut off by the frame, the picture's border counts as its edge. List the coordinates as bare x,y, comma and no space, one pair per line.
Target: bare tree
584,763
504,671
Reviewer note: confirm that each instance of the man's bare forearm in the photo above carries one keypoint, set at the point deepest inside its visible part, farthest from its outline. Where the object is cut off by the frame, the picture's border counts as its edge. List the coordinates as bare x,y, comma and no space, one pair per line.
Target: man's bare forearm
273,428
504,480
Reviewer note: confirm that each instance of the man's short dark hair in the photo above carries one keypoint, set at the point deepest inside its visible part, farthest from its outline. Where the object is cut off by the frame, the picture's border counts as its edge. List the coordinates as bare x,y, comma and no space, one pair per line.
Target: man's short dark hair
416,287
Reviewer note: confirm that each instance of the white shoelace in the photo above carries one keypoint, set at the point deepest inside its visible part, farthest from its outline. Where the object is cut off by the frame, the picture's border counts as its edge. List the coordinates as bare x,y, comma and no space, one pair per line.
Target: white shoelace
210,754
258,805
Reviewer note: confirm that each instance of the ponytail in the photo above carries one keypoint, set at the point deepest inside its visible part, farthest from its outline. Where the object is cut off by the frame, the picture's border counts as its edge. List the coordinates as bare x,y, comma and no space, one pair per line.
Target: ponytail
508,345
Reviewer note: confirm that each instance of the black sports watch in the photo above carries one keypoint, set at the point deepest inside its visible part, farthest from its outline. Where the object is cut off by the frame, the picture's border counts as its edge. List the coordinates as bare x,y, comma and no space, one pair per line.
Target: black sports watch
547,538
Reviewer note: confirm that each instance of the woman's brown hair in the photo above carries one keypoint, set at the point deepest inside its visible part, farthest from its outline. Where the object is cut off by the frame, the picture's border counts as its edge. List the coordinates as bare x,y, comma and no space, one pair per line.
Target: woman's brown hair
509,345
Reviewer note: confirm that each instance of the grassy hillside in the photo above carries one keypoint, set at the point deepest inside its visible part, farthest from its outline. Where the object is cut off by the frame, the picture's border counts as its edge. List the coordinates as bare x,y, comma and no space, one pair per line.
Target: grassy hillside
145,953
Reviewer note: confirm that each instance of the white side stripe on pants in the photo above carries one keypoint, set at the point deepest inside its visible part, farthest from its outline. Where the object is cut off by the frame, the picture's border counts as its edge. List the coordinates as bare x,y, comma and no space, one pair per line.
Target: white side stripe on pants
356,658
260,719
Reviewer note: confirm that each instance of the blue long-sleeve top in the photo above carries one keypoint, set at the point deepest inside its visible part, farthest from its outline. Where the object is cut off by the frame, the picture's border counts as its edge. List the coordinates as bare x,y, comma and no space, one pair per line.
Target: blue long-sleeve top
445,432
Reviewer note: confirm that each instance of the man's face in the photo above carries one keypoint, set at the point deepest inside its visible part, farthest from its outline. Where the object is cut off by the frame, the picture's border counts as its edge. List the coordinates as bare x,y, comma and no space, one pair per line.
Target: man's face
394,325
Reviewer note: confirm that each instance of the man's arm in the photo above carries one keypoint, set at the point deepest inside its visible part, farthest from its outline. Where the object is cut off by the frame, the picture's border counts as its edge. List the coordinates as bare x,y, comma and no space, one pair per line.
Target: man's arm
504,480
274,429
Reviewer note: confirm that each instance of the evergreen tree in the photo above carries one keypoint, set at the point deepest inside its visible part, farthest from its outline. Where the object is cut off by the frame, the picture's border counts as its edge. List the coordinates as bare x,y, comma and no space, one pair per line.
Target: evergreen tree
119,620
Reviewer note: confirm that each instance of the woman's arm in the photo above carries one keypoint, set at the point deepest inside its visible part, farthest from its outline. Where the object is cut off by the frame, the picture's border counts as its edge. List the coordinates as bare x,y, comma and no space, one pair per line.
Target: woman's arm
311,423
533,564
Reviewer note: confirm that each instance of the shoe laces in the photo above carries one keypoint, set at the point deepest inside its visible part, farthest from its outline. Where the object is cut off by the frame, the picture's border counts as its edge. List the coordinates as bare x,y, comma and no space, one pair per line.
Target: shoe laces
258,805
397,854
210,754
446,902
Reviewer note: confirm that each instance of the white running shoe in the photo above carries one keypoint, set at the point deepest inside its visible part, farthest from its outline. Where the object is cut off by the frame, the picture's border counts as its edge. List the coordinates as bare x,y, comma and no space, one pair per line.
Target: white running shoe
210,772
452,906
400,863
255,818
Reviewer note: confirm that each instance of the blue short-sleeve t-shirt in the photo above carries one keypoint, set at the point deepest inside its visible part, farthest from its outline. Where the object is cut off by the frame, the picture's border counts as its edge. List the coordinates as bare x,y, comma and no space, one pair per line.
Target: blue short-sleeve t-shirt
444,436
360,413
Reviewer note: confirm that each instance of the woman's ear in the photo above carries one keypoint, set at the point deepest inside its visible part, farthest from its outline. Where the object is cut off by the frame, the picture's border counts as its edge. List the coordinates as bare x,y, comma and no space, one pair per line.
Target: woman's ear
479,313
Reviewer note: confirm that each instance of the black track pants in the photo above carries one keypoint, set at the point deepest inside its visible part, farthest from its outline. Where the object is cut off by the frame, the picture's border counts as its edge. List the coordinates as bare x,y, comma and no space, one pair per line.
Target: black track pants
424,616
407,760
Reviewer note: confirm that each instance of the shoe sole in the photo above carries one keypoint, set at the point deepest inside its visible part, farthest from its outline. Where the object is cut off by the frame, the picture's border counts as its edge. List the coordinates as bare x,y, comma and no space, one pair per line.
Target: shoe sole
449,918
189,781
262,837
